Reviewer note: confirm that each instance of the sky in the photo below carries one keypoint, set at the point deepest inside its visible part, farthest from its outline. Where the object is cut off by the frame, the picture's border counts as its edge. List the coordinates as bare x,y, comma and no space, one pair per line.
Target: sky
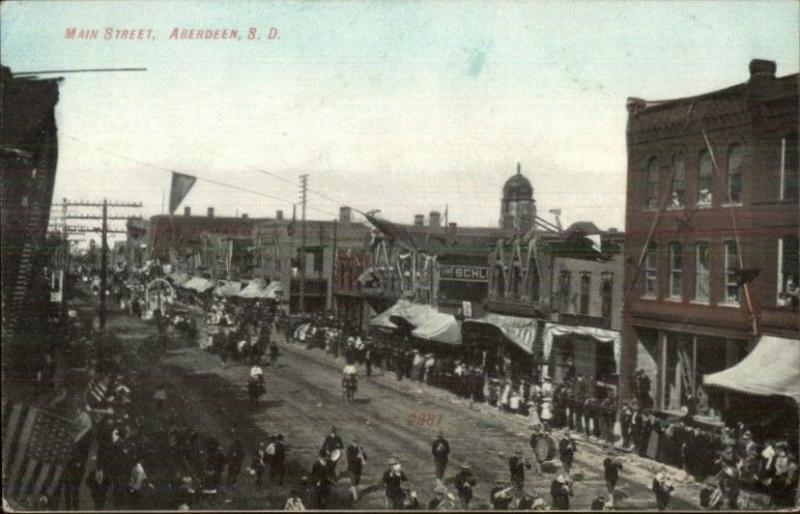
405,107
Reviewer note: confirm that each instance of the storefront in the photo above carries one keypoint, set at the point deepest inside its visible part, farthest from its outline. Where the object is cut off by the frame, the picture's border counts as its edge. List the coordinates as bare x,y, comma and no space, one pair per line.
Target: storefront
588,351
508,343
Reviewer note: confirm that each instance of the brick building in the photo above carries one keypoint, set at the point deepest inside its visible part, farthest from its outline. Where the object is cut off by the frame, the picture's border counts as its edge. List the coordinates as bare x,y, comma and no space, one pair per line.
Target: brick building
711,243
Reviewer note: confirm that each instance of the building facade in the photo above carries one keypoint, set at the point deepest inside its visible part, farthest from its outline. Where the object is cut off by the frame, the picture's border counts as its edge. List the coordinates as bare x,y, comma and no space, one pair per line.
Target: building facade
711,242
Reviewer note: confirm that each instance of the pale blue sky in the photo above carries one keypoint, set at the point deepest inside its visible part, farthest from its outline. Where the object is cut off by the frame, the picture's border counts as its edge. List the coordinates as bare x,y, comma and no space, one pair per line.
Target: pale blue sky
399,106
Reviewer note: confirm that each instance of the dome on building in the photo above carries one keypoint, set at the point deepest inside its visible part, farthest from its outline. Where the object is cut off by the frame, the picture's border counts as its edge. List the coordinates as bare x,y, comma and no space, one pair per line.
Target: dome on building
518,187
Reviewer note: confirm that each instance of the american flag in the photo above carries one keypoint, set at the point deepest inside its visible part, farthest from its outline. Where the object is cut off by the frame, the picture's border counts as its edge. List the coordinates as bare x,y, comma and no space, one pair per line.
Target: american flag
96,394
36,447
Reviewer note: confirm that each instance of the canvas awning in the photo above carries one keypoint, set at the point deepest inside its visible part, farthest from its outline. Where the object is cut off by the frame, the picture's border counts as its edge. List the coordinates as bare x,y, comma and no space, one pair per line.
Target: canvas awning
772,368
520,331
228,288
424,321
552,330
198,284
179,278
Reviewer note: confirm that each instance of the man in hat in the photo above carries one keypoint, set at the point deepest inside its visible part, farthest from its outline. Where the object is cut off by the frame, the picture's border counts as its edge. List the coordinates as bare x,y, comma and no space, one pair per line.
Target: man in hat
464,483
566,451
331,444
235,458
536,436
356,457
320,480
560,491
393,479
728,480
516,466
625,420
442,500
611,469
259,462
441,451
277,466
662,488
501,495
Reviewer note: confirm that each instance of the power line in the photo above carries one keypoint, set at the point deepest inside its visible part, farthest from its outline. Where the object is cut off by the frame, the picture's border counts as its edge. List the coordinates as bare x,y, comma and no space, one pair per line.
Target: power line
201,179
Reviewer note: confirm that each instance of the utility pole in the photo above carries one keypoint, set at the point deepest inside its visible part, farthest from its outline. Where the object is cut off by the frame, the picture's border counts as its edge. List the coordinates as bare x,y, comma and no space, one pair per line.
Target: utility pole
104,205
331,299
303,193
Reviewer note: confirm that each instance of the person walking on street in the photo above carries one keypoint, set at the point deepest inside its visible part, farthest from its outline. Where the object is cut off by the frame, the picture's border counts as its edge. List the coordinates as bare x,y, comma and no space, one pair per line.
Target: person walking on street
501,495
368,359
356,458
393,479
441,451
259,462
662,488
442,499
516,467
332,446
611,469
277,469
560,491
273,354
320,479
566,451
235,458
465,481
293,502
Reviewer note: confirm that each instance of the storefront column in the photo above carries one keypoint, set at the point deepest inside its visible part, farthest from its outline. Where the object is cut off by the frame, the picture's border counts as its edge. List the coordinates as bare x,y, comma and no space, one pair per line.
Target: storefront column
661,376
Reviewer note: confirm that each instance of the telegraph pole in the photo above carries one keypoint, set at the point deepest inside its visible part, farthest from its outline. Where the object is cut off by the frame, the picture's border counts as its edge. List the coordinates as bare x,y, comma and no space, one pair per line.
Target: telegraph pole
104,205
303,193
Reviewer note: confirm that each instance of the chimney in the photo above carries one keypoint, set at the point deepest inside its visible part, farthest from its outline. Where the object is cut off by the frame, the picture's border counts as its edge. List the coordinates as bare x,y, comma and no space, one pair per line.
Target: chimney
451,231
244,215
279,215
187,211
344,214
210,212
761,68
419,220
435,219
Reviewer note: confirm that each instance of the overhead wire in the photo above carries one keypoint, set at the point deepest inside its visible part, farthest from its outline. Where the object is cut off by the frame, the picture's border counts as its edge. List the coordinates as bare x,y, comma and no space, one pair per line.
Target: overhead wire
199,178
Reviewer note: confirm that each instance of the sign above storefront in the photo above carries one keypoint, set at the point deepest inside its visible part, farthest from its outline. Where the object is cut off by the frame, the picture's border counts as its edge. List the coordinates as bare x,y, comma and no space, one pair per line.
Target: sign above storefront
464,273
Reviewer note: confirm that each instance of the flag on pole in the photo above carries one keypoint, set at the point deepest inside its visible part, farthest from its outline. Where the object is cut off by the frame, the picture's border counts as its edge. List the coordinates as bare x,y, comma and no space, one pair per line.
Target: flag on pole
36,447
179,188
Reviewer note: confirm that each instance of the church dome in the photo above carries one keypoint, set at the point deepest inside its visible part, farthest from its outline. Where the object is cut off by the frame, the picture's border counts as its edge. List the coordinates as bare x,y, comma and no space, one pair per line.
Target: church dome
518,187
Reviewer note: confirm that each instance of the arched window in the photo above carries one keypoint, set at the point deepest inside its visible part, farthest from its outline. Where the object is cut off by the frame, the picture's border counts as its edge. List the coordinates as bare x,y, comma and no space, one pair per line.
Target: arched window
735,165
678,192
704,179
651,199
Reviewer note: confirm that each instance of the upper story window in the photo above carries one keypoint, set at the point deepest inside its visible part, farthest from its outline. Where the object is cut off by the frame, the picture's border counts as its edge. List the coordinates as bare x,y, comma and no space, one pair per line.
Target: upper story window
586,284
675,270
731,293
651,200
651,271
704,179
678,192
606,293
735,169
564,289
788,273
702,262
789,168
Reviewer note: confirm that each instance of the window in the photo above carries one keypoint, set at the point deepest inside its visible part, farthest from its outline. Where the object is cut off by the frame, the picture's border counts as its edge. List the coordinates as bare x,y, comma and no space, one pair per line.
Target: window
586,283
677,195
650,270
651,201
731,273
735,163
606,291
789,165
675,270
701,264
564,289
704,179
788,273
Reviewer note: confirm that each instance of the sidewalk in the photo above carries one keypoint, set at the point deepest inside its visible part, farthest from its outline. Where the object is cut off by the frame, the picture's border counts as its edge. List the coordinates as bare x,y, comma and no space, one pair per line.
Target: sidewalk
638,470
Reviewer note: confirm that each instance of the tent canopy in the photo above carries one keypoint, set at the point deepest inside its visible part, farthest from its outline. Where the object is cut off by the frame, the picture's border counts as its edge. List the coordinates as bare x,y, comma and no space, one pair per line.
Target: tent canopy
178,278
772,368
198,284
228,288
520,331
424,321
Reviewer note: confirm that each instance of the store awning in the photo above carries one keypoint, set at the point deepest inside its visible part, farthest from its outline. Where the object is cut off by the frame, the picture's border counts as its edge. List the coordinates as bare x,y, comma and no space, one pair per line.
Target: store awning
552,330
520,331
198,284
179,278
772,368
424,321
228,288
